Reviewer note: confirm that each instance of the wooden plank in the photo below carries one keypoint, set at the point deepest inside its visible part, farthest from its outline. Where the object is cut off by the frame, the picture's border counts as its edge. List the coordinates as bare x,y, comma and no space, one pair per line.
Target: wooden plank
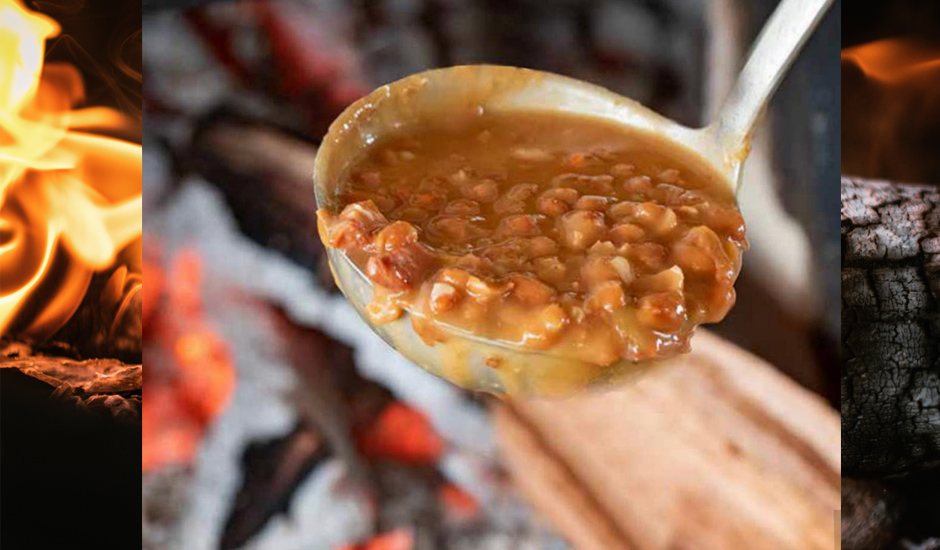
715,451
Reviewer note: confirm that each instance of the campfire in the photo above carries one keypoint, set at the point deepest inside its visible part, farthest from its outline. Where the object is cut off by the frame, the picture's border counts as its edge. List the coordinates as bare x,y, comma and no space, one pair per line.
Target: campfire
71,199
70,269
890,265
324,421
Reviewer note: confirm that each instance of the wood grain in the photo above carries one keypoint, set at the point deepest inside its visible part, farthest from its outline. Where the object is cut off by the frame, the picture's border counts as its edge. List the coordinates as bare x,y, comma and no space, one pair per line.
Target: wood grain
714,451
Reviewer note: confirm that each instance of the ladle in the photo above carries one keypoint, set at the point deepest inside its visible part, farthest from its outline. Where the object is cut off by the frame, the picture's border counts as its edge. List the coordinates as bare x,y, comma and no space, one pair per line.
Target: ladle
723,145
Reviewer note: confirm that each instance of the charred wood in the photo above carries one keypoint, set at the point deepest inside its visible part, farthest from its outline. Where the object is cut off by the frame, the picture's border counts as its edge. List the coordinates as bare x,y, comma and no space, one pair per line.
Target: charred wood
890,327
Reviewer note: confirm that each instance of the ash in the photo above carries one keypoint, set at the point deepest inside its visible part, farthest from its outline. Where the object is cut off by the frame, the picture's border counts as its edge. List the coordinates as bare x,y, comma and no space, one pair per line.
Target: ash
322,513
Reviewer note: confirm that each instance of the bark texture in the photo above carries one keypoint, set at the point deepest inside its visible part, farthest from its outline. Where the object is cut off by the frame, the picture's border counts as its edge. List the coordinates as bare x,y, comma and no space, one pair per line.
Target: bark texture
890,328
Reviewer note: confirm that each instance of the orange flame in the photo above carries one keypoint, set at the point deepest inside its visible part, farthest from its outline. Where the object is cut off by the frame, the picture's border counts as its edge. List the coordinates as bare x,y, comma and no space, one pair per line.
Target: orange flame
891,110
69,200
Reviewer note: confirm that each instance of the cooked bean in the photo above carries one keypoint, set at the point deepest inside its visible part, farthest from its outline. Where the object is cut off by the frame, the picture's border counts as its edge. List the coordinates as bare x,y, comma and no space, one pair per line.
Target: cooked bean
607,296
638,186
550,269
651,256
462,207
581,228
516,231
626,233
542,246
663,311
443,298
395,236
520,225
453,228
621,170
593,202
530,291
588,185
669,175
484,191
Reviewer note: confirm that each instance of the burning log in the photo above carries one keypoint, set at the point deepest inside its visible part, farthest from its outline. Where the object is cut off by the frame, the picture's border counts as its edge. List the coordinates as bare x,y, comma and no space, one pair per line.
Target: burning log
717,450
265,174
106,387
273,471
890,287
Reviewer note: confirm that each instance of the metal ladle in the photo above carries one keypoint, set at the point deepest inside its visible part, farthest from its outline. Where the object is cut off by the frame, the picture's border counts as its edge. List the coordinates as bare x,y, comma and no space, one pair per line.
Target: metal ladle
723,145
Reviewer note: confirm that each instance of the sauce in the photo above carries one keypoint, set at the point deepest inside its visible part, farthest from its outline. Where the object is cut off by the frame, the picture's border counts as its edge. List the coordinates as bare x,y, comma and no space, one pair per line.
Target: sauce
544,230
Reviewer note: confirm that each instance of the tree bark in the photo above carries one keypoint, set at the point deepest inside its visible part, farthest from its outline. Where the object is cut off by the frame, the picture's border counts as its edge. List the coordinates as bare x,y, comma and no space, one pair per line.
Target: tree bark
890,326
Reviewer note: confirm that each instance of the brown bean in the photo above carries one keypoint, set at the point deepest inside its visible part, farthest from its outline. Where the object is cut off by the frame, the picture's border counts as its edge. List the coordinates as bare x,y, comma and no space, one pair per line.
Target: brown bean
522,191
727,221
550,269
700,252
429,200
366,213
513,202
369,178
595,271
555,202
401,269
510,254
638,187
482,290
542,246
484,191
580,229
546,325
462,207
593,202
602,248
655,218
626,233
670,175
519,225
345,234
443,298
650,256
607,296
452,228
411,214
667,280
671,195
567,195
621,170
551,206
453,276
663,311
588,185
530,291
395,236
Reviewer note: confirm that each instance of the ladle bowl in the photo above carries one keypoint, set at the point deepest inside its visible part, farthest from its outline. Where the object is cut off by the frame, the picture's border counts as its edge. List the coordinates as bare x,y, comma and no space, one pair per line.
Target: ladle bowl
438,94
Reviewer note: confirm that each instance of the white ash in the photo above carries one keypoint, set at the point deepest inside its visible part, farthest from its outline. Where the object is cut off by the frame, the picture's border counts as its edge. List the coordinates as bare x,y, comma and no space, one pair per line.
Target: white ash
322,514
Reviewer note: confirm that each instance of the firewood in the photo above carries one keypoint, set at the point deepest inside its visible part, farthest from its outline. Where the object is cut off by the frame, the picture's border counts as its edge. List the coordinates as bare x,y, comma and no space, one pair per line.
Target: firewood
890,285
715,450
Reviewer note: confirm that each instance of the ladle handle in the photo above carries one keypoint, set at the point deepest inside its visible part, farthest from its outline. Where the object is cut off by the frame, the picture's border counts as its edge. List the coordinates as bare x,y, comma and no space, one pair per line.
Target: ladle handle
774,50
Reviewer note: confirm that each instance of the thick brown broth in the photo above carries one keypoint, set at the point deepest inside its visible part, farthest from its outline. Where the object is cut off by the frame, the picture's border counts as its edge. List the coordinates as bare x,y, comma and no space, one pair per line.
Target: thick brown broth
544,230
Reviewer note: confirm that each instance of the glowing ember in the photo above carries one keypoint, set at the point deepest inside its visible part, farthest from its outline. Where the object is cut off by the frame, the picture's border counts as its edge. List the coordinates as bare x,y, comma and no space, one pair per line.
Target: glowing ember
891,110
69,200
189,376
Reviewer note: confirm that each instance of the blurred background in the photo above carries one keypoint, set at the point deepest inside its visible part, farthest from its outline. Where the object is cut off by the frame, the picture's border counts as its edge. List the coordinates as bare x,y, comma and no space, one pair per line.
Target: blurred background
275,418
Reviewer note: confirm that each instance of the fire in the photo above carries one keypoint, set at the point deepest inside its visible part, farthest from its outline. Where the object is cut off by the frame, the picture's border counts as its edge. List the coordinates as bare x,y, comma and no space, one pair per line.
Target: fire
891,109
189,376
70,201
